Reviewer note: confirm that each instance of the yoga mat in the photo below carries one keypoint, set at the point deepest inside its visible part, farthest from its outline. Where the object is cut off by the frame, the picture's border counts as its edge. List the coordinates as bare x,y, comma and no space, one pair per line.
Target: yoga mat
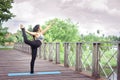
37,73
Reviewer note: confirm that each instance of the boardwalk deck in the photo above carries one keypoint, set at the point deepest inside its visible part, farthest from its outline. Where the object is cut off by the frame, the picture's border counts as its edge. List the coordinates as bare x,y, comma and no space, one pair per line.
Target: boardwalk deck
15,61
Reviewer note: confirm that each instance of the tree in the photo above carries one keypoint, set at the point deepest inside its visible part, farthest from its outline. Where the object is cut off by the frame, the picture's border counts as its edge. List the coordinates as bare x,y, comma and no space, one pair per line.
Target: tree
5,14
10,38
3,32
62,31
18,36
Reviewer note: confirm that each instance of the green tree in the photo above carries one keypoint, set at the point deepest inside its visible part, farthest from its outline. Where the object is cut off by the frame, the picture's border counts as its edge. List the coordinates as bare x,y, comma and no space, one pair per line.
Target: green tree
5,14
10,39
62,31
18,36
3,32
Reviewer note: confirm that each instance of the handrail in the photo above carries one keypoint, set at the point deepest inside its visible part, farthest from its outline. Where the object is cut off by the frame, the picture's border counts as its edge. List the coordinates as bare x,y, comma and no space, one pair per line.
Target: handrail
100,59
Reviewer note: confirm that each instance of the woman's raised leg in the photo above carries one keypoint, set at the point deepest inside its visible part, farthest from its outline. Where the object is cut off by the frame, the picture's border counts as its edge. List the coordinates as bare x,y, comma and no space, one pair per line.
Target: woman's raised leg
25,38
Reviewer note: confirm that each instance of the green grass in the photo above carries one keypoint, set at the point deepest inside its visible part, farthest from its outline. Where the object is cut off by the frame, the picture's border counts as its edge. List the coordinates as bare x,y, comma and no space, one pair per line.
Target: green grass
6,48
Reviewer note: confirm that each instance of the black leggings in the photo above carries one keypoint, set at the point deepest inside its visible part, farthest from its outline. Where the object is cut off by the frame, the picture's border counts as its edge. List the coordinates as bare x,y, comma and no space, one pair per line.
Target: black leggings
34,45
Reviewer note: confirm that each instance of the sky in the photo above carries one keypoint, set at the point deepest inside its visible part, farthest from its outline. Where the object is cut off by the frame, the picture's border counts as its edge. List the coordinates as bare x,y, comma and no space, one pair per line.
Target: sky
91,15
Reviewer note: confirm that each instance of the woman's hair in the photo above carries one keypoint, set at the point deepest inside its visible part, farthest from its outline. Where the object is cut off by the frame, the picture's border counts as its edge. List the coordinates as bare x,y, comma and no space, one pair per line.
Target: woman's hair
35,29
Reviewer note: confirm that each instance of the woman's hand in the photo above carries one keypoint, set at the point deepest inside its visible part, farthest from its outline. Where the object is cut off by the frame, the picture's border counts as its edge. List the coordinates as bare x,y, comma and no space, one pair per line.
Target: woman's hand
21,26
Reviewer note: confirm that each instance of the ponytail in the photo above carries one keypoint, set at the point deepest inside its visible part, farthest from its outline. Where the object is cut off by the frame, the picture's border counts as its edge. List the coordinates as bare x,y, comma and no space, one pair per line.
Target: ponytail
35,29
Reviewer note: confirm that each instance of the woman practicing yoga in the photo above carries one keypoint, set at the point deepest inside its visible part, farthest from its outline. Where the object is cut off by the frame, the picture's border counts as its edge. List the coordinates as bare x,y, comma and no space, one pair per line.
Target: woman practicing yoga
38,39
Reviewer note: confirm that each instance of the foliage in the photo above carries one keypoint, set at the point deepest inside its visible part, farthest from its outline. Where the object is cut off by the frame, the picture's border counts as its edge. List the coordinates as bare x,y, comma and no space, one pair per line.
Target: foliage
62,31
3,32
67,31
5,14
92,37
114,38
18,36
10,38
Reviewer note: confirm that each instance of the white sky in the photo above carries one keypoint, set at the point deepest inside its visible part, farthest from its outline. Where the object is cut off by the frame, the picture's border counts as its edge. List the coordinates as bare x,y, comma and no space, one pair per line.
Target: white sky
90,14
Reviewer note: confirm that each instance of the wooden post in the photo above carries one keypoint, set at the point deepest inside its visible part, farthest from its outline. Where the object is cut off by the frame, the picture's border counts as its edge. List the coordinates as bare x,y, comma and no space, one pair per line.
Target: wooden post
21,47
24,47
15,46
50,52
18,46
66,45
78,66
45,50
29,49
40,52
96,58
118,62
57,61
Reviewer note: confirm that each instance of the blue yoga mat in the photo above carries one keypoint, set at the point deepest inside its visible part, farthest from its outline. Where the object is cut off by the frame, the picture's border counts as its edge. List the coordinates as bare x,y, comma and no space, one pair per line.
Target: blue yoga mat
37,73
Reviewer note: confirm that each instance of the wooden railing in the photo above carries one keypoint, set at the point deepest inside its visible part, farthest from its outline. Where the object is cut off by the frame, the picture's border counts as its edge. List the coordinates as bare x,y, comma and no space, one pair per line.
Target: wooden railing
99,59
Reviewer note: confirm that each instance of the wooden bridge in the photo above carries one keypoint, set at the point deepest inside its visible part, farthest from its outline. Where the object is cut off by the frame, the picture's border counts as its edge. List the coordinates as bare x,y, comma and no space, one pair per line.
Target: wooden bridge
12,61
75,65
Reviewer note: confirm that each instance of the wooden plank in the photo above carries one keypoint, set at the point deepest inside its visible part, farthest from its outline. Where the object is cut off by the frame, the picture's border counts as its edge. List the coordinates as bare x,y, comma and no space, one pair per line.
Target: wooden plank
15,61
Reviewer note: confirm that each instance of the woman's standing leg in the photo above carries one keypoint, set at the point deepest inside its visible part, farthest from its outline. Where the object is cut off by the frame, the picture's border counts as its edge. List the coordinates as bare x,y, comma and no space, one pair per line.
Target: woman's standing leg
34,54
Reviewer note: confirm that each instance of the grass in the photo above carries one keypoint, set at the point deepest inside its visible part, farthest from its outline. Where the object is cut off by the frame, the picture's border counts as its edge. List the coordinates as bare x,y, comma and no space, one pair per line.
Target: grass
6,48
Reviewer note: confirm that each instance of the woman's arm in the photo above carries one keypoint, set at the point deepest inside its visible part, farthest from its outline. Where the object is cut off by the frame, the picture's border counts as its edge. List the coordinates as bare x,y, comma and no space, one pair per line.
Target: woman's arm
47,28
31,33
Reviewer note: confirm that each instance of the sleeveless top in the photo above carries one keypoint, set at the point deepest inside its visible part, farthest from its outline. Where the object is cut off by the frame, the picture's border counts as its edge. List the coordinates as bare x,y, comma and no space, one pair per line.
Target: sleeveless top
41,38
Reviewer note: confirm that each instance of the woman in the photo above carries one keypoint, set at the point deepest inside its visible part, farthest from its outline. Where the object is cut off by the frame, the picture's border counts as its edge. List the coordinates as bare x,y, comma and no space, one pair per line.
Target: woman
38,39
